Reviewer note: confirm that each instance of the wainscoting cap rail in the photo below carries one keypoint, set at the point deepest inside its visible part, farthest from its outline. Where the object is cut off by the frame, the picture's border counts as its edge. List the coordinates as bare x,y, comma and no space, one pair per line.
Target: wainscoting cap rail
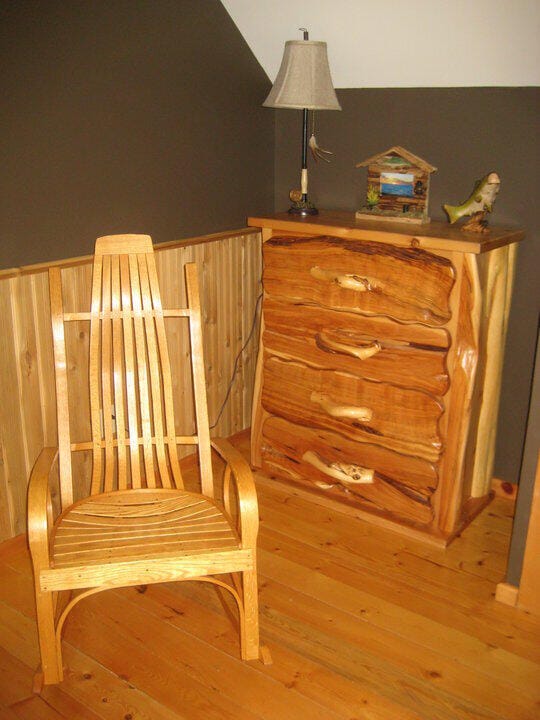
84,259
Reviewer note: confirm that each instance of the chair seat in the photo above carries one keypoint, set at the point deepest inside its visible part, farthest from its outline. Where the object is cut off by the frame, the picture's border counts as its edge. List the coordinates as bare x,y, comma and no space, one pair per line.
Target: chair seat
130,525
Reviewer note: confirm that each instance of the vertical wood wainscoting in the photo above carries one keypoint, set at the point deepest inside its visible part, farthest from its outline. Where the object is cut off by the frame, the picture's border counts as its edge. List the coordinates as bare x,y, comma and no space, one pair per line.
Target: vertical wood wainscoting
229,266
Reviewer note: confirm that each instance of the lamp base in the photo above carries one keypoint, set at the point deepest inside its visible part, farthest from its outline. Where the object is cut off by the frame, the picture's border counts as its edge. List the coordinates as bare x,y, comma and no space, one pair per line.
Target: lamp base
303,208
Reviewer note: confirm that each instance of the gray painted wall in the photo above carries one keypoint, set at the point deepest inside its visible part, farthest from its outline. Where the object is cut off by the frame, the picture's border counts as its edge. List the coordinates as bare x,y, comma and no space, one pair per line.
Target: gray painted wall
526,480
123,116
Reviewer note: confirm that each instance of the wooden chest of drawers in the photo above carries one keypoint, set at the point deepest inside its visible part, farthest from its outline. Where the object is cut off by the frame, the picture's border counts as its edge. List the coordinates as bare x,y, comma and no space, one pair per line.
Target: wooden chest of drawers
380,363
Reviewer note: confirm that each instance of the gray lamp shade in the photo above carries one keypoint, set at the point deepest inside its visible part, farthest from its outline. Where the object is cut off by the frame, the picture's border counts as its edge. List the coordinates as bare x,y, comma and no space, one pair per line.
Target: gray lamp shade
304,80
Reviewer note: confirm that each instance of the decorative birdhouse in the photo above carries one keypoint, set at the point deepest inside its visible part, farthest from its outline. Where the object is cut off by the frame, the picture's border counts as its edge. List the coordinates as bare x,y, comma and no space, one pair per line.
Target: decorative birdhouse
397,187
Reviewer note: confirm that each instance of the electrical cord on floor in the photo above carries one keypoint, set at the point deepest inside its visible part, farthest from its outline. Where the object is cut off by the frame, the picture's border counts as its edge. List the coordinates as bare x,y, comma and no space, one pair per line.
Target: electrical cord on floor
235,368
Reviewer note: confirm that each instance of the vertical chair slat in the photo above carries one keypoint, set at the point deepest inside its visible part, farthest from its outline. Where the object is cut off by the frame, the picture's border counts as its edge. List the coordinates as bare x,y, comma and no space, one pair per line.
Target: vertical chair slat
166,373
106,379
131,392
142,368
153,363
118,372
199,383
59,348
94,379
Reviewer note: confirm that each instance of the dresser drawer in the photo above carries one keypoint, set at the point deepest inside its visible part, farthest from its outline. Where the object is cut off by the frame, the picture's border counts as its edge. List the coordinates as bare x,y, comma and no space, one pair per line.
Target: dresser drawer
373,348
401,487
401,419
405,284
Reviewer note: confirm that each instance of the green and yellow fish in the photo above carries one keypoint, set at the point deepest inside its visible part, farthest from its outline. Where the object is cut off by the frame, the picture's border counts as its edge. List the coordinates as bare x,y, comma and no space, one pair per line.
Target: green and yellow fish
481,199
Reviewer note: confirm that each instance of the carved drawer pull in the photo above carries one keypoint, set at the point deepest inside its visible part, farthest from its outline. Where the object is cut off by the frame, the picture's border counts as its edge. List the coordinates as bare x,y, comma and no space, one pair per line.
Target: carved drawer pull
353,412
345,473
362,353
323,485
348,281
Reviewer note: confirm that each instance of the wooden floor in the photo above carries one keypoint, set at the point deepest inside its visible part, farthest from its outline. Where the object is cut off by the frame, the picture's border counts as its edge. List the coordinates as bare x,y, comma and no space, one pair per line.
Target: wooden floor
362,624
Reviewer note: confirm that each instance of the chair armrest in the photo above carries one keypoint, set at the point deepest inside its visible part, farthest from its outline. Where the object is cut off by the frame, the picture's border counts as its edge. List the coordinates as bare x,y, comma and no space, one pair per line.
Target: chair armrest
245,488
39,507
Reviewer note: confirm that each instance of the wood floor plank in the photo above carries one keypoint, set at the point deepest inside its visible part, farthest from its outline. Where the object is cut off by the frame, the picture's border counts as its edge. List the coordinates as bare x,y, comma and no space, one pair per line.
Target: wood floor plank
16,555
16,589
362,624
107,695
238,682
499,625
368,551
497,665
67,706
18,635
135,660
437,673
382,677
35,707
334,599
196,608
7,713
16,677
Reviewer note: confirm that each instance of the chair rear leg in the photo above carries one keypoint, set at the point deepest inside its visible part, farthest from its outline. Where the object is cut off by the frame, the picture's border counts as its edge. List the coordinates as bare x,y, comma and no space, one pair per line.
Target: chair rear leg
250,617
49,645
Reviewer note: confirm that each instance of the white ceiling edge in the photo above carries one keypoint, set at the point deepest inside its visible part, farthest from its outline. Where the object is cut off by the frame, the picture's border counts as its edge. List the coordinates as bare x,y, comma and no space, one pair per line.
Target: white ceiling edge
402,43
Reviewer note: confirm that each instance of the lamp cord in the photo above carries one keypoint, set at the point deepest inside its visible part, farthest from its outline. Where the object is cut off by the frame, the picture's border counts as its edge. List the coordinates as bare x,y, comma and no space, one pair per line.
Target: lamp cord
235,368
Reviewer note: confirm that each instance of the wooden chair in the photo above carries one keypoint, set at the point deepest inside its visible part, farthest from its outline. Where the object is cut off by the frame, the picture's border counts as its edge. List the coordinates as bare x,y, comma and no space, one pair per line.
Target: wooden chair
138,524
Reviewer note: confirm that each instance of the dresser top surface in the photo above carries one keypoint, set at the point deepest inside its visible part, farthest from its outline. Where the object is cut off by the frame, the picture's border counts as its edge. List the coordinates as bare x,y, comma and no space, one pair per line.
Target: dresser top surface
433,236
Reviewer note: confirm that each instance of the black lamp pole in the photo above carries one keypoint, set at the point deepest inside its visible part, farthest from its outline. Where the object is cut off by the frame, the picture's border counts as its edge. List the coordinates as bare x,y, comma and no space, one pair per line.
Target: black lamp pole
304,143
304,207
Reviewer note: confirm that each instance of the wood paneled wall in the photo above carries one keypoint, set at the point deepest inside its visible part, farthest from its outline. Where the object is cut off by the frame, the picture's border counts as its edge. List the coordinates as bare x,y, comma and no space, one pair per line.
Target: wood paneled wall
229,274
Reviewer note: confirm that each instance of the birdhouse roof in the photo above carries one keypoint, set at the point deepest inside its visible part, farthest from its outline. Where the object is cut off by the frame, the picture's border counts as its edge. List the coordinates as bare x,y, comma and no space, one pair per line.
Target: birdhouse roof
405,154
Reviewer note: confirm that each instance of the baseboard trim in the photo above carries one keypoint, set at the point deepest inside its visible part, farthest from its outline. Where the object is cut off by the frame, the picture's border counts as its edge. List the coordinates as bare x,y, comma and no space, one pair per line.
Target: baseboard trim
507,594
504,489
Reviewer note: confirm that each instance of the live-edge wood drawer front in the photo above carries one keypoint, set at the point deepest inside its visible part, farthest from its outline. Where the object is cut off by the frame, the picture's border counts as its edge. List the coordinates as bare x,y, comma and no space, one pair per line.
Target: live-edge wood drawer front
407,285
316,458
369,347
401,419
355,367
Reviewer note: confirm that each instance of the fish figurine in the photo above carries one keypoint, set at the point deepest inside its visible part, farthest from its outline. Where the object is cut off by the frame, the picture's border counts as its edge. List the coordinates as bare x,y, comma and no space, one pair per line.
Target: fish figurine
478,203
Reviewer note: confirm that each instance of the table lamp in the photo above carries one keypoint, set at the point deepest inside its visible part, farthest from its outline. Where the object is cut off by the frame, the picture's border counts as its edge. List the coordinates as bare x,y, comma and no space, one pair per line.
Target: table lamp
304,83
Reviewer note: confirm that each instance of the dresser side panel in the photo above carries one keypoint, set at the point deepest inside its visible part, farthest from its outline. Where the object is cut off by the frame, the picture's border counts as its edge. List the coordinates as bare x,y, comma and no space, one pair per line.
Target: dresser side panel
460,401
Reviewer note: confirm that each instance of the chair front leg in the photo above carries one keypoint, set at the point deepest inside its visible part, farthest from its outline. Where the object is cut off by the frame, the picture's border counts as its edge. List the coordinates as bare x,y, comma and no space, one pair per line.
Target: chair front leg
39,529
49,642
238,472
250,617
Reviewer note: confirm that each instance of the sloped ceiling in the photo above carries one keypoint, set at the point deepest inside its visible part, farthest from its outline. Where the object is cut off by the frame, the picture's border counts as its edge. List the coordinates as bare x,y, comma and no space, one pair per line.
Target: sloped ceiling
402,43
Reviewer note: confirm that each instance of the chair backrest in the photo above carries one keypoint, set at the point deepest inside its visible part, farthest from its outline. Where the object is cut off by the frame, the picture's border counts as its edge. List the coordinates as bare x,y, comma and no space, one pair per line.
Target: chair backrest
134,441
